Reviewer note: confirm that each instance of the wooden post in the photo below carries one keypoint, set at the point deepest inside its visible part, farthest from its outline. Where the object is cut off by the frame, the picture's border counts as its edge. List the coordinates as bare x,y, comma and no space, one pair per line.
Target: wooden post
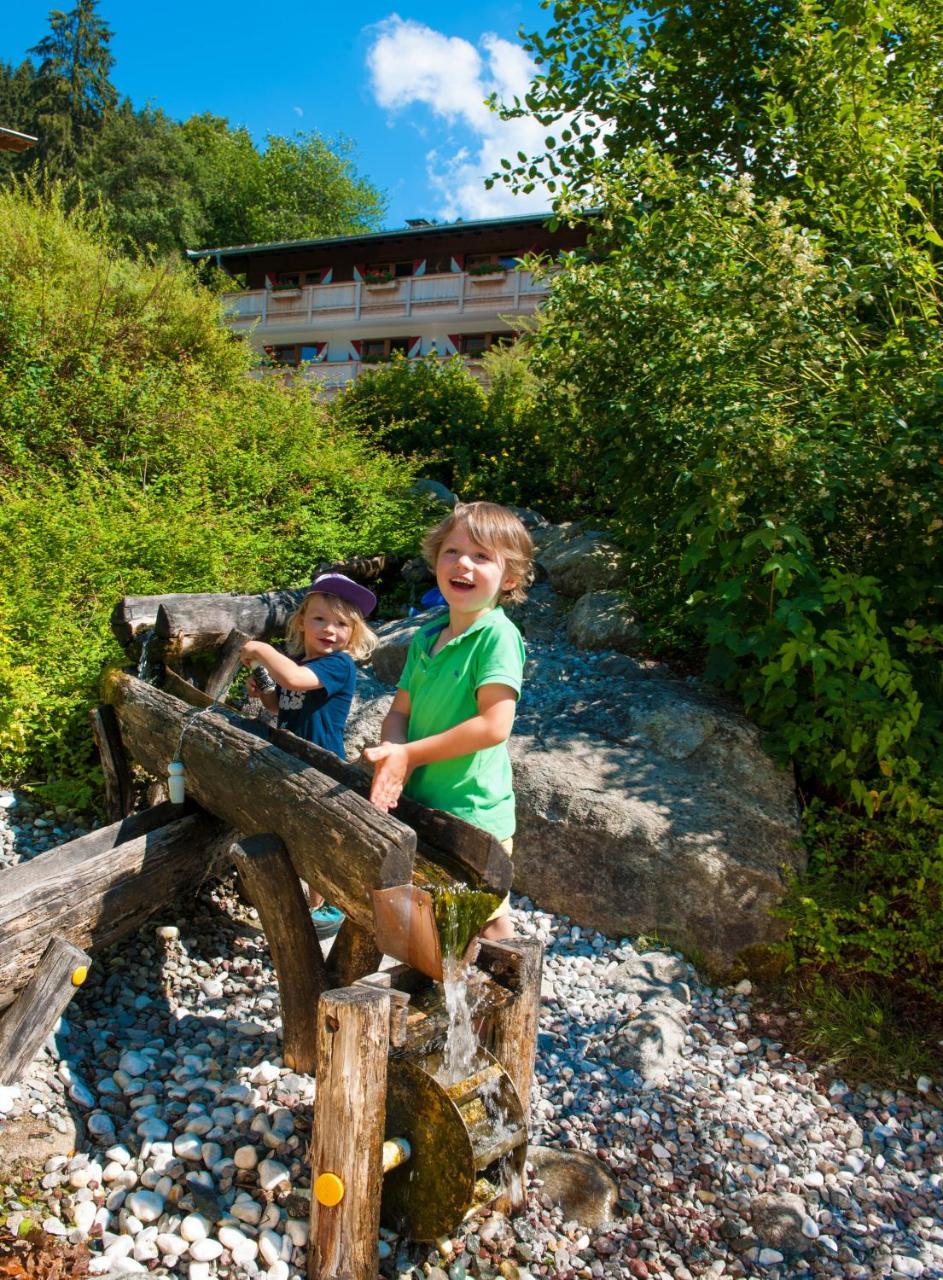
119,796
512,1038
353,955
349,1125
276,893
223,674
29,1020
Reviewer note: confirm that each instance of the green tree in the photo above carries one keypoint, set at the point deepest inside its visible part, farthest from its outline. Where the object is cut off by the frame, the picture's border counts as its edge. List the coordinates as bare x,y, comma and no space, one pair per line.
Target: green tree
73,93
679,76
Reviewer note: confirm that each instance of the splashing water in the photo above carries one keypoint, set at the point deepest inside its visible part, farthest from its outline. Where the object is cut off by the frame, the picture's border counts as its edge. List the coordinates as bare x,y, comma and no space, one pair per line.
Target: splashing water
460,913
461,1042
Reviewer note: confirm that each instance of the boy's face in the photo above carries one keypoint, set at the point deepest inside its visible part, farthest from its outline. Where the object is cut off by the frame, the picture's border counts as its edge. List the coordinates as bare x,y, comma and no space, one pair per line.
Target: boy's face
325,631
471,577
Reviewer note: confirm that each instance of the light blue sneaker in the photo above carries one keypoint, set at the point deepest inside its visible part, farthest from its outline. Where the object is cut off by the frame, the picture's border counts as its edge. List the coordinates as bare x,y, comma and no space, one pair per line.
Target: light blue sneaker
327,920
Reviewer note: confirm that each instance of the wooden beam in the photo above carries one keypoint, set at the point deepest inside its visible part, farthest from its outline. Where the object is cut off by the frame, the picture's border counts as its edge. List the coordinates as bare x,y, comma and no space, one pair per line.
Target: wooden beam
347,1138
99,888
223,674
203,620
337,840
465,852
276,893
119,788
29,1020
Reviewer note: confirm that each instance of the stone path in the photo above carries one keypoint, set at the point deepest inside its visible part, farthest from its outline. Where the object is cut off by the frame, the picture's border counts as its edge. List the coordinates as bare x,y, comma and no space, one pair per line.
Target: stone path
727,1155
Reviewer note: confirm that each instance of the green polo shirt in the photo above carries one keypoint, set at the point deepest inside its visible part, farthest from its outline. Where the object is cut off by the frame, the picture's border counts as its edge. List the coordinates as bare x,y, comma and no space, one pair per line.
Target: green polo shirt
442,693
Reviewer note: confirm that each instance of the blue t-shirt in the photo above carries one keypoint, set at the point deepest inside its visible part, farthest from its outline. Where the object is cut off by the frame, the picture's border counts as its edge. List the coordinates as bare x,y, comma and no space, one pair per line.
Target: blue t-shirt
319,715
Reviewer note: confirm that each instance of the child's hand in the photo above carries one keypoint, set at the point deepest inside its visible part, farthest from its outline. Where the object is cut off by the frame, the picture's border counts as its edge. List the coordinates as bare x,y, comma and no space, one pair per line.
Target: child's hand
390,762
252,689
248,652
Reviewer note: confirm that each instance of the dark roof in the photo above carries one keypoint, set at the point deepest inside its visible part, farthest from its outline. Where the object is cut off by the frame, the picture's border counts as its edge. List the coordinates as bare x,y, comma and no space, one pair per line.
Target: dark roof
448,228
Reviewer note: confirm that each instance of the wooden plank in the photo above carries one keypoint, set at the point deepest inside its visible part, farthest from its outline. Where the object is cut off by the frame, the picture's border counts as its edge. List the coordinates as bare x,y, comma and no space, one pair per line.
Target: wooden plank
119,789
32,1016
276,893
336,839
347,1138
99,888
223,674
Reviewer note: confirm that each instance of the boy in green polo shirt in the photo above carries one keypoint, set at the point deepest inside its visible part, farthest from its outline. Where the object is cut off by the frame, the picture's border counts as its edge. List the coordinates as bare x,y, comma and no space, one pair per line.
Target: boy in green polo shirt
444,739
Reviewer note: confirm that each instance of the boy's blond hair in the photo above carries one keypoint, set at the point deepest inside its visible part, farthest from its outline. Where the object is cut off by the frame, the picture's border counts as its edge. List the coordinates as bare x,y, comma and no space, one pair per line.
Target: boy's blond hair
362,640
495,528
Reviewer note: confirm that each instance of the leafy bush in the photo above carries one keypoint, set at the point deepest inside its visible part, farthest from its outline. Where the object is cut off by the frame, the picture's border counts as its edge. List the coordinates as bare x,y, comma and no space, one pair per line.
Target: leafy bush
138,456
877,901
481,441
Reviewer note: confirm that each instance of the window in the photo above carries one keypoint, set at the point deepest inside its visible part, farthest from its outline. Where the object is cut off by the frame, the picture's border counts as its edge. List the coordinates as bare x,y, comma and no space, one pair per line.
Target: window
500,261
476,344
285,355
315,277
287,280
402,269
374,349
439,266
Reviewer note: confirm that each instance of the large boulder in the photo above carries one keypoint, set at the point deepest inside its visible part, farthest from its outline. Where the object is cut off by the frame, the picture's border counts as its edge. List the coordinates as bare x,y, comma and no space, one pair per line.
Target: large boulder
604,620
646,805
578,560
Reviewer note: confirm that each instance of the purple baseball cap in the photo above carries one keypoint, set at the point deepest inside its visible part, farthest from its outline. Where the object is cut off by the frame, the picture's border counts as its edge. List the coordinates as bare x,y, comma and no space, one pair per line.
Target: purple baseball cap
336,584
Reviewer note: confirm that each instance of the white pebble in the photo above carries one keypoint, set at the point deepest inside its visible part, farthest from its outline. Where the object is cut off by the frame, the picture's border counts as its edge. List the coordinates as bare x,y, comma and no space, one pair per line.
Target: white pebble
205,1250
297,1231
278,1271
198,1271
194,1227
271,1174
134,1064
188,1146
903,1265
168,1243
146,1205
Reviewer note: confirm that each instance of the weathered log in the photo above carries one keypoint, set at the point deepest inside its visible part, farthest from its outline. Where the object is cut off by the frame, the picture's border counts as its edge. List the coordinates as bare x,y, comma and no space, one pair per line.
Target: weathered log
512,1028
223,674
36,1010
119,790
353,955
349,1122
276,893
98,888
466,852
336,839
203,620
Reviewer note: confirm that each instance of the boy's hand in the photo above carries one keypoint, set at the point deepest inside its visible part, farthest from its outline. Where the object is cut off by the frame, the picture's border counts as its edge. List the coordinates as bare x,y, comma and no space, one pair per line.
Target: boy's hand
252,689
390,762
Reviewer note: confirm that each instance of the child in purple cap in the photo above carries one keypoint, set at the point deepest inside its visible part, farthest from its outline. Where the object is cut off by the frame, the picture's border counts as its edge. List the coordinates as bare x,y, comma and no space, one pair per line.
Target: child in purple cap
315,677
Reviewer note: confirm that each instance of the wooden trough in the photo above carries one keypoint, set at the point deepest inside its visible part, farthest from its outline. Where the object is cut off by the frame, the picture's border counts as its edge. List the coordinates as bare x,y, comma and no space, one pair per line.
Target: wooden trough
285,811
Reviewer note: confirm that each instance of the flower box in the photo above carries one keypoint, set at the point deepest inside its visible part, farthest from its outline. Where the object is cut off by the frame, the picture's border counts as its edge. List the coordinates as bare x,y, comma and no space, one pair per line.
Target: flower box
287,291
484,277
379,284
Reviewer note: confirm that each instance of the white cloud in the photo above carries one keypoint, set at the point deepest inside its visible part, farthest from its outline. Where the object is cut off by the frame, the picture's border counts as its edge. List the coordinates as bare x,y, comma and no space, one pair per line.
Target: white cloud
299,111
411,64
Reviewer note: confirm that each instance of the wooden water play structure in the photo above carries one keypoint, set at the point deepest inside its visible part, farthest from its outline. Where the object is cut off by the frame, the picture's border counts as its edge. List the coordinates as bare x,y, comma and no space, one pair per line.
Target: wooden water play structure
393,1140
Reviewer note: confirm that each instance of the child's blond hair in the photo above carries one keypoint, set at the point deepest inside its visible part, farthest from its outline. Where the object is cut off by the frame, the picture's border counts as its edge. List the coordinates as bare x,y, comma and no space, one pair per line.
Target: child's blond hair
362,639
498,530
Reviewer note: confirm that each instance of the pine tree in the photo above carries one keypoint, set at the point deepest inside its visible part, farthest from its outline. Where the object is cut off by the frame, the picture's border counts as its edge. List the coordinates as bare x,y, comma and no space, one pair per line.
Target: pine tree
73,94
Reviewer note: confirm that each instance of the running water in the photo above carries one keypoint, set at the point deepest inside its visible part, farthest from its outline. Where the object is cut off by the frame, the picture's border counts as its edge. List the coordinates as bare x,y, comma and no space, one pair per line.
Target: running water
144,667
460,913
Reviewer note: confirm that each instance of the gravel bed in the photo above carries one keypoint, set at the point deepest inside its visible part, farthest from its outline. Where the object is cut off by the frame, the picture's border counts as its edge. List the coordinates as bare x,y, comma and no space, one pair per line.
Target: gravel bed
733,1159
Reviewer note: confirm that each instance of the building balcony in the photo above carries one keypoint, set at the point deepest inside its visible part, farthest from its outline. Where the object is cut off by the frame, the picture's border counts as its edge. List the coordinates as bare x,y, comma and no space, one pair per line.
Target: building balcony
326,308
326,378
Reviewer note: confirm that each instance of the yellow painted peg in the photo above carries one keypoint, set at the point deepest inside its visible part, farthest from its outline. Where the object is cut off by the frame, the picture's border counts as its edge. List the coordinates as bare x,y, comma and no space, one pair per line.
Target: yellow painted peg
328,1190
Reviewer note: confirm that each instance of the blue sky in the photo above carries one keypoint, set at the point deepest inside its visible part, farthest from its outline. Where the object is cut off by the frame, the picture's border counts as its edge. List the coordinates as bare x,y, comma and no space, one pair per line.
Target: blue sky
405,84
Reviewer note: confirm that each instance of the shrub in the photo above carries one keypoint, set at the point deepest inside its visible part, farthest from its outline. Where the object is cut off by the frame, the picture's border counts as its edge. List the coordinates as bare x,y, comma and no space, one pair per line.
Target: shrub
137,456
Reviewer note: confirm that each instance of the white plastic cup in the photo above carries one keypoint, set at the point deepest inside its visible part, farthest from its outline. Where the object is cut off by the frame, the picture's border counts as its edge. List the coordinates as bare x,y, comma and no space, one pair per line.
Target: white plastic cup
175,782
